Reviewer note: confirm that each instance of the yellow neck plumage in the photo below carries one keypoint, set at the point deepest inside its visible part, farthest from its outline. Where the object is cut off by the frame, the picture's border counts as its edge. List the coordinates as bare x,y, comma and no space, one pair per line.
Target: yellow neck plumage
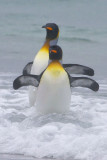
55,67
43,52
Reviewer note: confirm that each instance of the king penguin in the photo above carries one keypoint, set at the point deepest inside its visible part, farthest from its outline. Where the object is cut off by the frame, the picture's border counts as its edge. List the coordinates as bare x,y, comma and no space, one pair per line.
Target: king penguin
54,91
41,59
54,85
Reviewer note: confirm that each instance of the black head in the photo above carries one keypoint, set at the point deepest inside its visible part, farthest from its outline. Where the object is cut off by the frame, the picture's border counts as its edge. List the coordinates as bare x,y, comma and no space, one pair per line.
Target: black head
52,31
55,53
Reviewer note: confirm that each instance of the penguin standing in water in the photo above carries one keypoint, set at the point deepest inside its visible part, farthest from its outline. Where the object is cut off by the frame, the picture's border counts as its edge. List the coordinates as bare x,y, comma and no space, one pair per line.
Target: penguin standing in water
41,59
54,84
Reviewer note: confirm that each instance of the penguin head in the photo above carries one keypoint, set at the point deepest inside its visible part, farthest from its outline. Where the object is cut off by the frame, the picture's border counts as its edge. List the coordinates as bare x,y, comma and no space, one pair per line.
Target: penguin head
52,31
55,53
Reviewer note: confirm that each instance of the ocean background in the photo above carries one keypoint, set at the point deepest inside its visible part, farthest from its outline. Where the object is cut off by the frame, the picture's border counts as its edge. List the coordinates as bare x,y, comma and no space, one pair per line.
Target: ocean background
80,134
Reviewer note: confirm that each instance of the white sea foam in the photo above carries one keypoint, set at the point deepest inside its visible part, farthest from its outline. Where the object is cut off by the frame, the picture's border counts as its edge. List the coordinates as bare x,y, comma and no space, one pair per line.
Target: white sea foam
79,134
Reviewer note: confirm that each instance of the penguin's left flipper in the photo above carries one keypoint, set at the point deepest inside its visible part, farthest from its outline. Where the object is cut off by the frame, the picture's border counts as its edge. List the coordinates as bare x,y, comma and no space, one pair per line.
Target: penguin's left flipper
78,69
27,68
84,82
26,80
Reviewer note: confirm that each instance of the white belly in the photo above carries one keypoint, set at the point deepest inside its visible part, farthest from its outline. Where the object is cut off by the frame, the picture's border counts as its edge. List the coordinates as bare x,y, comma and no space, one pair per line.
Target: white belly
53,94
38,67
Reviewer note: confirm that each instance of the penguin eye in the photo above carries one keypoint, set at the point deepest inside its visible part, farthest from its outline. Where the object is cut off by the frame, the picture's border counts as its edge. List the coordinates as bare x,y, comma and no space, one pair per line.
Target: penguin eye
49,28
54,51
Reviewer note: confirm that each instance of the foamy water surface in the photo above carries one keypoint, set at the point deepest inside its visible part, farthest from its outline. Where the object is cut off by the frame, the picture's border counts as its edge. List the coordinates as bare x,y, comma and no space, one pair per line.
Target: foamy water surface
79,134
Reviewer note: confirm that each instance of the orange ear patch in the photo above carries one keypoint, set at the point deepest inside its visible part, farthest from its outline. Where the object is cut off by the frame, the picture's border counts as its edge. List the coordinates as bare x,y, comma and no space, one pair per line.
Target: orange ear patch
49,28
54,51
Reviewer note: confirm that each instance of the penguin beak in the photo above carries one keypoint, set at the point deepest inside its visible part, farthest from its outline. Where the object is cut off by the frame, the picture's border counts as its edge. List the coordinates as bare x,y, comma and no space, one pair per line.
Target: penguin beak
44,26
48,28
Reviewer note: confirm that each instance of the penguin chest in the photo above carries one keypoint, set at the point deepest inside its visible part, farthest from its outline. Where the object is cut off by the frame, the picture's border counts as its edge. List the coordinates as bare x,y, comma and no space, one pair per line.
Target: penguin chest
40,63
41,60
53,92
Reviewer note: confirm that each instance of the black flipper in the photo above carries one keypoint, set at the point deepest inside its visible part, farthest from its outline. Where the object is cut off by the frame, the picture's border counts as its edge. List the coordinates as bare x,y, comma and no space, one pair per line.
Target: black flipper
27,80
78,69
27,68
84,82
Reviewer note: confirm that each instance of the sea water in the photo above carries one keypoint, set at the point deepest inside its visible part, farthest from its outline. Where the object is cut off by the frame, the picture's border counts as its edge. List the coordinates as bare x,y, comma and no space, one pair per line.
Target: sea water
82,132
